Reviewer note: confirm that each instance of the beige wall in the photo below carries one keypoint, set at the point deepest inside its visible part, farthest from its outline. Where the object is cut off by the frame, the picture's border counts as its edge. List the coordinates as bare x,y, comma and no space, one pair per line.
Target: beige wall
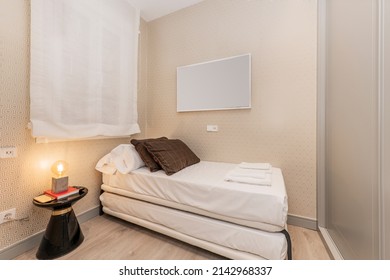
28,175
281,126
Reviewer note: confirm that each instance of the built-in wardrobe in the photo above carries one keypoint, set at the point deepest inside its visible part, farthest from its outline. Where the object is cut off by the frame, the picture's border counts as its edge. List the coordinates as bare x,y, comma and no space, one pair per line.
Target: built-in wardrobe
354,127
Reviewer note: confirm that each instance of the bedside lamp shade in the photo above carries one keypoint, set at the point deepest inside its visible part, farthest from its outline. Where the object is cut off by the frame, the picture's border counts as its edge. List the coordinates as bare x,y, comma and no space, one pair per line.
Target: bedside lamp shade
59,180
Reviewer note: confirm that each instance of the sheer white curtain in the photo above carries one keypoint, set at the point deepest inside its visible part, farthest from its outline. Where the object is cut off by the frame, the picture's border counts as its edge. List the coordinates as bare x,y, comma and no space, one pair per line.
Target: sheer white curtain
83,68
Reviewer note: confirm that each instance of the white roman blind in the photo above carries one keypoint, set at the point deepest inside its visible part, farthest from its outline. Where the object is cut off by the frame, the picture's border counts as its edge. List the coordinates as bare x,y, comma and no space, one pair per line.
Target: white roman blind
83,79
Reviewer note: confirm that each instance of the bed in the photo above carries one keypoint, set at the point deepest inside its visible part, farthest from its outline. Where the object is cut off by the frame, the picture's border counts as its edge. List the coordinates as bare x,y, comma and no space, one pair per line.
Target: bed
197,204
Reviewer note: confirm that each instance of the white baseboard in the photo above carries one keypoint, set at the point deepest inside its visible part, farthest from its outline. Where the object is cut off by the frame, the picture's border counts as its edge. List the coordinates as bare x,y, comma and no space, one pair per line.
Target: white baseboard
29,243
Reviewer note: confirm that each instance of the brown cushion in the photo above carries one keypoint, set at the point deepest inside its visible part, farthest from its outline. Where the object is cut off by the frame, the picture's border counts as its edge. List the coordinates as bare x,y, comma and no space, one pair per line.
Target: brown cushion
172,154
144,154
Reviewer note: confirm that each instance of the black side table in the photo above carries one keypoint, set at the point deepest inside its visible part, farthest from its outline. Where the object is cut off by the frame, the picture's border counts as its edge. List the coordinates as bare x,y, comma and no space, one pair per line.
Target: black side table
63,233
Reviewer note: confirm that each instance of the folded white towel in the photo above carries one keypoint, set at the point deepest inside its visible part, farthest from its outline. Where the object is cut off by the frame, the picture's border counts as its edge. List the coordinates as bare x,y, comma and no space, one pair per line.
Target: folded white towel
255,165
267,181
250,173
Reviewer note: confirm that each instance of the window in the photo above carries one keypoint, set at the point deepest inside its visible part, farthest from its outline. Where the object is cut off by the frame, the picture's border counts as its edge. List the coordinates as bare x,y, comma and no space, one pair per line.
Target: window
83,79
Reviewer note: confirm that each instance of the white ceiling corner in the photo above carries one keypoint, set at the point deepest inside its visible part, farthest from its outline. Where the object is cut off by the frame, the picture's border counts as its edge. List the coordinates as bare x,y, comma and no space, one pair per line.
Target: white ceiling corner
153,9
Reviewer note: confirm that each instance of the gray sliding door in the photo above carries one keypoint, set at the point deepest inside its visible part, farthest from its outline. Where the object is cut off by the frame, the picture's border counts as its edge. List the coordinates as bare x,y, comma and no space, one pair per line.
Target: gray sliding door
353,128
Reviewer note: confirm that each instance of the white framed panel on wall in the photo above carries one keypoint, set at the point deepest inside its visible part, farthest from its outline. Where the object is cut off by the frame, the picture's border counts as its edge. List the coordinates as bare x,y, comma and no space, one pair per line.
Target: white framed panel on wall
215,85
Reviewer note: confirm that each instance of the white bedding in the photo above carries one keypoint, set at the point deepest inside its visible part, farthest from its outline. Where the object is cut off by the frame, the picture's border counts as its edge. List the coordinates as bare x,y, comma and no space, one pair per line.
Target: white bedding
201,189
231,240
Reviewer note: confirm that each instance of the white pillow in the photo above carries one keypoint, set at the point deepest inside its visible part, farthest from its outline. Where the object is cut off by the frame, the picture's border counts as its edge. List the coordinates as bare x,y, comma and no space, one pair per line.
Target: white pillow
124,158
105,165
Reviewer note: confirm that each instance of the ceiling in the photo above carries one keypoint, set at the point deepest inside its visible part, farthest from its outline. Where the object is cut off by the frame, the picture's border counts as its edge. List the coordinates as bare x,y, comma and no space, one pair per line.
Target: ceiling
152,9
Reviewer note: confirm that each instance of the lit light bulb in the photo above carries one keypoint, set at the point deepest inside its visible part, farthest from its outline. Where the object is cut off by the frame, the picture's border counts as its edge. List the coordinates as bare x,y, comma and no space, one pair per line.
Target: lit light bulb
59,168
60,180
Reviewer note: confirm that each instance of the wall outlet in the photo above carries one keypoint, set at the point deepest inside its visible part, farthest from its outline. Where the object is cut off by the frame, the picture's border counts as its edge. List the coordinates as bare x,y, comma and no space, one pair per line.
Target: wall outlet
8,215
8,152
212,128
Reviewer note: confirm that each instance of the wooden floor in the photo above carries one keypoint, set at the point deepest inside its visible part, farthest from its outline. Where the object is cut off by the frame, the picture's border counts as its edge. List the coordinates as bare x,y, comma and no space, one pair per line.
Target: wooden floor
103,233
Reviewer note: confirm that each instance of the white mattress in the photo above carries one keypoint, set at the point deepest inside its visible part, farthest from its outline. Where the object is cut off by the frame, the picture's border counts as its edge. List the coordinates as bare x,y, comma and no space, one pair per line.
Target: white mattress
233,241
201,189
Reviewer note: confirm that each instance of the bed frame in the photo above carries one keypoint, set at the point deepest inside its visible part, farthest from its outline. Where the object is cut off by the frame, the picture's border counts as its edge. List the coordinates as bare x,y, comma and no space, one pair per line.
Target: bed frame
175,204
232,254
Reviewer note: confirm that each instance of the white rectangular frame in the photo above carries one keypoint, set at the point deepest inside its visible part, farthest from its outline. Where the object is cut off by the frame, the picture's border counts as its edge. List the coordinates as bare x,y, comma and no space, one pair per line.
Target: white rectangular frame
215,85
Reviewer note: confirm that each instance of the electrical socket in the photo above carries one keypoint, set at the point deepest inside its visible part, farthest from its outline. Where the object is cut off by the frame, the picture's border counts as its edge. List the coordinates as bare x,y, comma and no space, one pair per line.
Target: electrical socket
8,152
8,215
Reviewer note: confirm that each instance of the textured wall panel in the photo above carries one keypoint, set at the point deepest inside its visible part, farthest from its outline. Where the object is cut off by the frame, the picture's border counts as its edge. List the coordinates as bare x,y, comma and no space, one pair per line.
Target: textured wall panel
281,126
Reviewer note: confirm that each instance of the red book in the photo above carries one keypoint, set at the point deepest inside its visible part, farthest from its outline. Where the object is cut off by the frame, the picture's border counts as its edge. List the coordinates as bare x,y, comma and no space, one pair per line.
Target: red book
61,195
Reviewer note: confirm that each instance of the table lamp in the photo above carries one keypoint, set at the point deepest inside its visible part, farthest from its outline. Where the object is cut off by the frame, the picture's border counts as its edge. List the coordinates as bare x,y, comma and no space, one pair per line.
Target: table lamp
59,182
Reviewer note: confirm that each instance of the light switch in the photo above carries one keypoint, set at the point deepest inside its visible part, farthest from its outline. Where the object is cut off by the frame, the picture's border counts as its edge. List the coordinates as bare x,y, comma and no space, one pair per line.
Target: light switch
212,127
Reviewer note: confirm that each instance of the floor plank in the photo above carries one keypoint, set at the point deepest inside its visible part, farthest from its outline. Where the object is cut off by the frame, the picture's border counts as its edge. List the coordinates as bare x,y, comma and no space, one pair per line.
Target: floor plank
103,232
307,244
